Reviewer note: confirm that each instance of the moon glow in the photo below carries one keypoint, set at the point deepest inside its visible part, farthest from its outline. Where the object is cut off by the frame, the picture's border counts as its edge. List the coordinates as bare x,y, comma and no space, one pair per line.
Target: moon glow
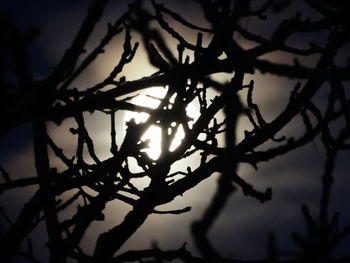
151,98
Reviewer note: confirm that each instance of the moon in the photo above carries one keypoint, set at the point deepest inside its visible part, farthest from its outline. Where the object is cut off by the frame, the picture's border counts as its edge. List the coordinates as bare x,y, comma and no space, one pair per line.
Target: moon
151,98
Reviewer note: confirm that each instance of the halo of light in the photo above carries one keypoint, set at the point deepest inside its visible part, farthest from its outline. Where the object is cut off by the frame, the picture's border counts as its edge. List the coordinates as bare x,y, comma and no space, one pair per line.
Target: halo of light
151,98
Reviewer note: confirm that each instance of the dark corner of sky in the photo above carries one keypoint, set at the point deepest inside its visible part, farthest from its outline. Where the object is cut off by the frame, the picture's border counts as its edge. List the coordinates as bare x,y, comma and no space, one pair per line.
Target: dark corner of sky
48,27
45,22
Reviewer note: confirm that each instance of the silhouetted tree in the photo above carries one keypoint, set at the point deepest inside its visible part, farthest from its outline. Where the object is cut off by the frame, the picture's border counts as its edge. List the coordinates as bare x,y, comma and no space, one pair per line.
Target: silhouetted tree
213,139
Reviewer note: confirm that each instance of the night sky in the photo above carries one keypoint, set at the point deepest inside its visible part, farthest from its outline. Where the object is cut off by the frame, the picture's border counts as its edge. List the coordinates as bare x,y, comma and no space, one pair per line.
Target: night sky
242,230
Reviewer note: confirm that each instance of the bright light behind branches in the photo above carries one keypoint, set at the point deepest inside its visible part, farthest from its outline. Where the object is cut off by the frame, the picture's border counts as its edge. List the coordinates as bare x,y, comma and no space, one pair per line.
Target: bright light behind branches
153,133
